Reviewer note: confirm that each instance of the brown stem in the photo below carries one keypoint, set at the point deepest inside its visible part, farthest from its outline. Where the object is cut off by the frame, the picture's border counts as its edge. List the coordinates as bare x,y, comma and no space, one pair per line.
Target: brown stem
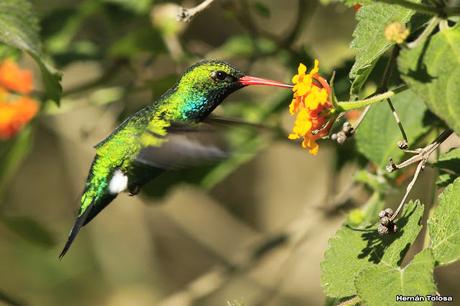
187,14
422,158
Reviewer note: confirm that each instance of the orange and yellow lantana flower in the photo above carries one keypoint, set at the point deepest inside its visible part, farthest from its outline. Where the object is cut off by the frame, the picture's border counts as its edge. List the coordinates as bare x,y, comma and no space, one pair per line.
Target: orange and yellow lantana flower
312,107
16,107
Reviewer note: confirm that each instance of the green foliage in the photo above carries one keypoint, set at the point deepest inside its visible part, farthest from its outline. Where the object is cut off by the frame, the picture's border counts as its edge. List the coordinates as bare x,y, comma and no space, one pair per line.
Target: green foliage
432,71
449,165
19,28
378,135
353,250
444,226
450,161
369,41
379,285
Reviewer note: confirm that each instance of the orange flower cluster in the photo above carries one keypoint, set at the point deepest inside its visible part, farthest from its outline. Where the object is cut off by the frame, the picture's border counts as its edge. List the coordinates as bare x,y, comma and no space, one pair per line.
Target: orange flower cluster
16,107
312,105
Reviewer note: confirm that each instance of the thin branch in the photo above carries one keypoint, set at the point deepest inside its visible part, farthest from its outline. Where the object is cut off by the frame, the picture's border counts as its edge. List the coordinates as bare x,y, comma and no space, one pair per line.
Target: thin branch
350,105
420,167
425,34
383,86
422,158
389,67
398,121
186,15
361,117
422,153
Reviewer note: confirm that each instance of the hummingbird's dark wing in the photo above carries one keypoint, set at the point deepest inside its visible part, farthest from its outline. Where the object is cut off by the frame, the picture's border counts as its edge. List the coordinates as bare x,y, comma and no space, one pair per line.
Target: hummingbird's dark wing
229,122
186,145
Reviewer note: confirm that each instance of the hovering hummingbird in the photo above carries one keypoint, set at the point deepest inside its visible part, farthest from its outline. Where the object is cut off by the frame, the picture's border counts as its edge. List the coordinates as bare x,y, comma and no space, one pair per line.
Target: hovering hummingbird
155,138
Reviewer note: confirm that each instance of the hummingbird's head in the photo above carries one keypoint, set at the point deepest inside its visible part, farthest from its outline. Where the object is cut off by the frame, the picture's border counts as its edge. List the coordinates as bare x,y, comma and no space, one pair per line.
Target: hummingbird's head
204,85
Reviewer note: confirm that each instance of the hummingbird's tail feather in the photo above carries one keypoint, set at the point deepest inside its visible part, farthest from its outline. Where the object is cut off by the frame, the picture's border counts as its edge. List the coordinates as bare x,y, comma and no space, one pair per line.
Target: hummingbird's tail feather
79,222
94,208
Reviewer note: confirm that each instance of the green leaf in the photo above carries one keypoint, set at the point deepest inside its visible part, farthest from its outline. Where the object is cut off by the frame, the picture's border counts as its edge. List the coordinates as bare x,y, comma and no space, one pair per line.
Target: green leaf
19,28
444,226
369,40
378,135
432,70
449,160
352,250
449,165
379,285
51,79
30,230
445,179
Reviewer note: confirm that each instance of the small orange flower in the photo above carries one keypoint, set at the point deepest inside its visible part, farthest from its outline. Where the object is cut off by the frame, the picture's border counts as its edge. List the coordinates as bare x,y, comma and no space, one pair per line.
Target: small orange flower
312,106
14,115
357,7
15,79
15,110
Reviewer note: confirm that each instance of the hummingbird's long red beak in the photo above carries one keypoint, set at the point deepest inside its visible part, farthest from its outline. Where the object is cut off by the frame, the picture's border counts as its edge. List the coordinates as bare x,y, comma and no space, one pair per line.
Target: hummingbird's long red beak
250,80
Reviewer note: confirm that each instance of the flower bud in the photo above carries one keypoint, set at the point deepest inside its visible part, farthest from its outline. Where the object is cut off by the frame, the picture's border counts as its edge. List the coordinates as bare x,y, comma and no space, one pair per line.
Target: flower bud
396,32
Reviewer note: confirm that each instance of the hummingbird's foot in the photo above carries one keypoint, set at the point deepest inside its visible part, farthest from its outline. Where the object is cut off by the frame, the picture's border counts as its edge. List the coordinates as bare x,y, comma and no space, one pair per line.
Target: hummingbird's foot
133,190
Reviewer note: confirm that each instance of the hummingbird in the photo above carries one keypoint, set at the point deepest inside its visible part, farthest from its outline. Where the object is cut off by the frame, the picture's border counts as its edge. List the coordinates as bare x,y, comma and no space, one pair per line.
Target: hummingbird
157,137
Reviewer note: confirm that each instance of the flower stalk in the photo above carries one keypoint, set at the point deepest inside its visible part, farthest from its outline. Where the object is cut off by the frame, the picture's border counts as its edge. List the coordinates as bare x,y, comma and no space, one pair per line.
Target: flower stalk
344,106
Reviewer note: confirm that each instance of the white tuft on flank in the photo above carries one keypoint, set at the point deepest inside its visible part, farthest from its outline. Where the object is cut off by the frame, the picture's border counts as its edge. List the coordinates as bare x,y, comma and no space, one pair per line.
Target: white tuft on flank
118,183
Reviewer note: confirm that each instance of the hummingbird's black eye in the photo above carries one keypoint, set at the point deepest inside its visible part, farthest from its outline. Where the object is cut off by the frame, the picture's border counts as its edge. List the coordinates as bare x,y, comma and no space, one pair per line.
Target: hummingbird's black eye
219,75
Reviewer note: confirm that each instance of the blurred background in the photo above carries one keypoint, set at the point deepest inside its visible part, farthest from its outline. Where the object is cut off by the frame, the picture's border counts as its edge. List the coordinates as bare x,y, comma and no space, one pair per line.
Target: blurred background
250,230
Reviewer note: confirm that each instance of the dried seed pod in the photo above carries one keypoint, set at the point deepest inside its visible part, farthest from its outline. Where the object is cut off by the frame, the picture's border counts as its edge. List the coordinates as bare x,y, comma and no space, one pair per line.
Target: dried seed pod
389,212
341,137
382,229
402,144
385,221
347,127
